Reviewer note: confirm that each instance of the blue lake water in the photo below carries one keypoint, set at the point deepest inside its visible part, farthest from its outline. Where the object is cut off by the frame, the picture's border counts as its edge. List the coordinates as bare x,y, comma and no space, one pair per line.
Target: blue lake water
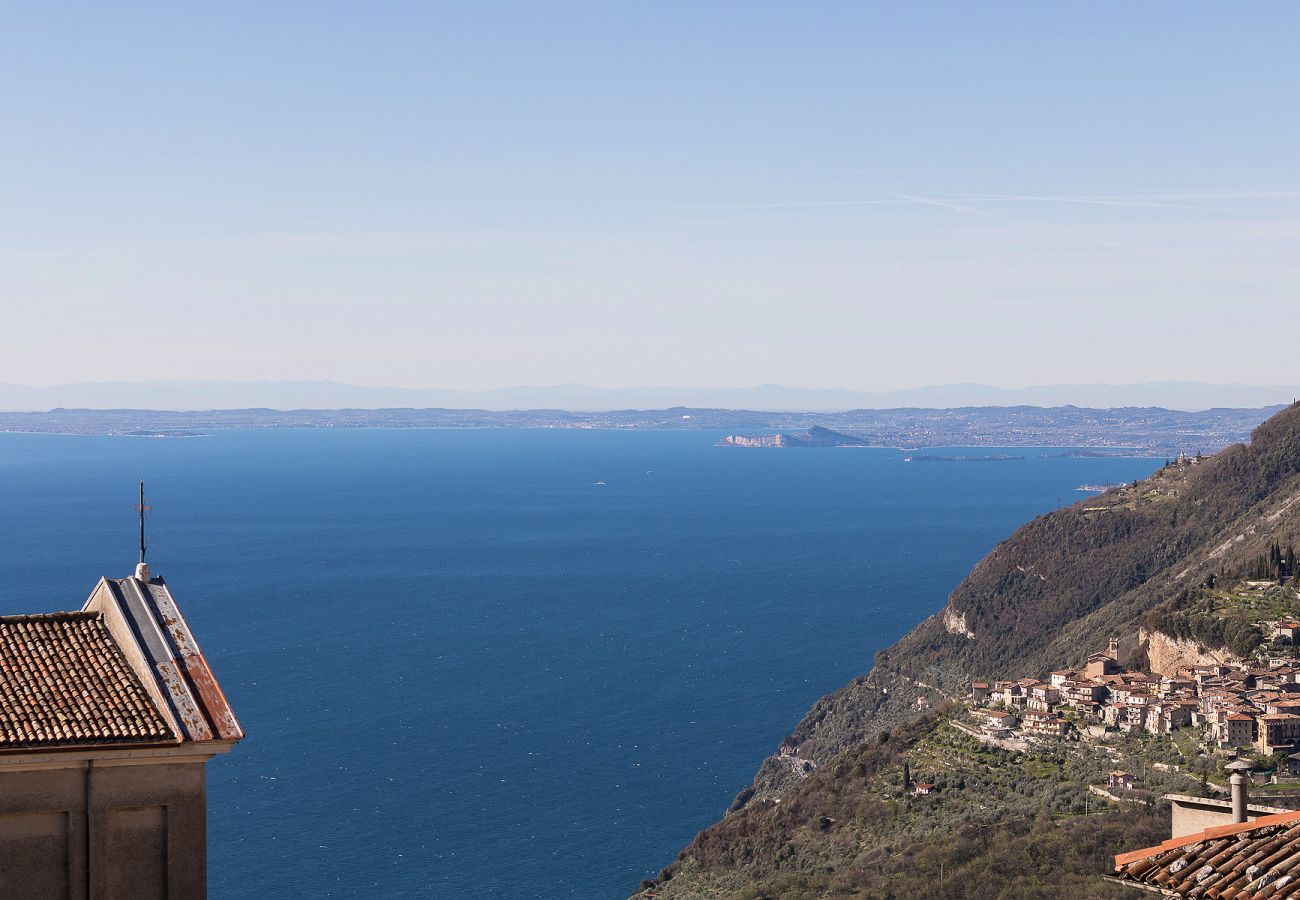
467,669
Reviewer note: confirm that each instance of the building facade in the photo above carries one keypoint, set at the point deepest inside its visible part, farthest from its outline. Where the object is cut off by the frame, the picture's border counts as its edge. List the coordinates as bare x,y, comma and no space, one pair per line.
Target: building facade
108,716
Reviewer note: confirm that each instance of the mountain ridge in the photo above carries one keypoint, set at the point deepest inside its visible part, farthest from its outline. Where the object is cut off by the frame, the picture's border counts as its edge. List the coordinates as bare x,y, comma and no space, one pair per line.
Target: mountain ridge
194,395
1126,431
1122,564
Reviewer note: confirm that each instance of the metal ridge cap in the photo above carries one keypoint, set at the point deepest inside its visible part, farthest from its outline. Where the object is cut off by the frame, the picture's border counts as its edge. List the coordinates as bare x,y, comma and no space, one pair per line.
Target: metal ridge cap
193,663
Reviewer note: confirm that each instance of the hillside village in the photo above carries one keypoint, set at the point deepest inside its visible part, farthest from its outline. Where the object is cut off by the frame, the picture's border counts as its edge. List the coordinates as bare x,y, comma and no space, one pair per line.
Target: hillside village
1251,707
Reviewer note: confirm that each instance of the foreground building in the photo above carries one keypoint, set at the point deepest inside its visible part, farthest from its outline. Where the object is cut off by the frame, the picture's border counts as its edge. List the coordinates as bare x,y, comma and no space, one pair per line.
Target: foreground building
1244,860
1248,860
1219,849
108,716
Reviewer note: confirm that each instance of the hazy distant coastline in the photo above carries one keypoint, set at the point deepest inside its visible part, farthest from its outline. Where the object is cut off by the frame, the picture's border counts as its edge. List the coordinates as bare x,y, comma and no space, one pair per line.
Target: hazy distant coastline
1137,431
332,395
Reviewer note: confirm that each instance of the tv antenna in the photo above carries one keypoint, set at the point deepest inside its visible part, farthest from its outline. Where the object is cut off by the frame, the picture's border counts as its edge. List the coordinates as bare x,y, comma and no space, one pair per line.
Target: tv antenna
142,509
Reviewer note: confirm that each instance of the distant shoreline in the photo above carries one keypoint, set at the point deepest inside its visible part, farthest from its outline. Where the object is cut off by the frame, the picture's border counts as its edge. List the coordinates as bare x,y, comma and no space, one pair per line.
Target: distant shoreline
1138,433
1136,454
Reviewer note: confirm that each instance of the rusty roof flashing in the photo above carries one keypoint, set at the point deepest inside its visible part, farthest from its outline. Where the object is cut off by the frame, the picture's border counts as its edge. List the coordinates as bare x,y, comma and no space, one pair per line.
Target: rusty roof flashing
146,615
123,671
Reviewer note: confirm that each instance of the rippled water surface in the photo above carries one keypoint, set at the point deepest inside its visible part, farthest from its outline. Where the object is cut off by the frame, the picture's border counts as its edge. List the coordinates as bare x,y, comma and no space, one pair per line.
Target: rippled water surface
514,663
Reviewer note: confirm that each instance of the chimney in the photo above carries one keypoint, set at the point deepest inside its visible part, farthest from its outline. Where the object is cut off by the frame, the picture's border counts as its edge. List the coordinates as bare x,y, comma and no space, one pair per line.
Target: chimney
1238,798
142,572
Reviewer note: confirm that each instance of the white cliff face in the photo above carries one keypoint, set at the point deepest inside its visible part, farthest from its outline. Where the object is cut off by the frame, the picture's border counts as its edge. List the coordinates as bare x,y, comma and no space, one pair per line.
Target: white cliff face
955,623
761,440
1166,654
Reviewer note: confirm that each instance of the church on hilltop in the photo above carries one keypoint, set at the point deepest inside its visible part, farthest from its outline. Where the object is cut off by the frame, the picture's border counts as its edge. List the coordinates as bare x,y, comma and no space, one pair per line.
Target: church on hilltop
108,716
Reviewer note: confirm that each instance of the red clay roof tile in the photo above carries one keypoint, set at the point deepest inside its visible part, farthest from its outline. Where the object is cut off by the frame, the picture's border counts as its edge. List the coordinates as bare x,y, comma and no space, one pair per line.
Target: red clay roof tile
1227,861
64,680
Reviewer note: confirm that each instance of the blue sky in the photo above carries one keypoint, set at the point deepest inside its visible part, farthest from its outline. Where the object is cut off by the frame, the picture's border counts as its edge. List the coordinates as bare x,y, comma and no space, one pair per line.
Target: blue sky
860,195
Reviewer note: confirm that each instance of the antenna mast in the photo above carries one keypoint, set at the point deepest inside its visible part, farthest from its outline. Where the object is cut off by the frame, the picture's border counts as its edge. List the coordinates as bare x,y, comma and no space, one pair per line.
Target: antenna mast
142,509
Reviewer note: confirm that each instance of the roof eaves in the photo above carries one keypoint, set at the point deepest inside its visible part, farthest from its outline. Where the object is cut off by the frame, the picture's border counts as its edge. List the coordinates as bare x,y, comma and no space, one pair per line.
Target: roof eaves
1219,831
1142,886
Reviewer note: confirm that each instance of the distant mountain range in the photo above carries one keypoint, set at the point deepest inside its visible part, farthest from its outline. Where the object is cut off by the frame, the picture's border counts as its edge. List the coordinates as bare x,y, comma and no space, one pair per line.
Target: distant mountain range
208,395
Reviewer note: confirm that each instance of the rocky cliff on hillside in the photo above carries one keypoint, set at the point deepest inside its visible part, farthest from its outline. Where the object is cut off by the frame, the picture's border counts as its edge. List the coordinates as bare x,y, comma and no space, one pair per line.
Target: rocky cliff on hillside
1166,654
1164,559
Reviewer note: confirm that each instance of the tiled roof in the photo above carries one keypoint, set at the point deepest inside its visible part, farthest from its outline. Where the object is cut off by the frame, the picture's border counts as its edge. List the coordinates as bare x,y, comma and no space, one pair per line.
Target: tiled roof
64,681
1253,859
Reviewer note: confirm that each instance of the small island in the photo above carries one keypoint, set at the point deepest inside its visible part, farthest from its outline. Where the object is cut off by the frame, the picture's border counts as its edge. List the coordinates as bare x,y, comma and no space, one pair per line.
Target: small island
815,436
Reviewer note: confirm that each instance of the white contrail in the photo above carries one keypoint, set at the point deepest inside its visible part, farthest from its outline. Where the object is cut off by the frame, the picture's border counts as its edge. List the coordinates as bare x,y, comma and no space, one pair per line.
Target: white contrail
792,204
1092,201
1092,238
945,204
961,202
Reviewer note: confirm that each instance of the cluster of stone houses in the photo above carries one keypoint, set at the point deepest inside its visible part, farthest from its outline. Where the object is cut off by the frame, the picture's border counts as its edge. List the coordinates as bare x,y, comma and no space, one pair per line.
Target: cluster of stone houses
1255,706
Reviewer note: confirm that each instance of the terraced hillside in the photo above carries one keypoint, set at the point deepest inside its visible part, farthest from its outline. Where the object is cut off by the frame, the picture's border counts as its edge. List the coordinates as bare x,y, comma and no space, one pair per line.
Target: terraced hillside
985,820
1055,590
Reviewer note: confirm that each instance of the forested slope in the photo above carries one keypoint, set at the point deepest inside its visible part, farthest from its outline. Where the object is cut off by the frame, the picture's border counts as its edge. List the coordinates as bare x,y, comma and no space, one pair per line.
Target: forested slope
1174,551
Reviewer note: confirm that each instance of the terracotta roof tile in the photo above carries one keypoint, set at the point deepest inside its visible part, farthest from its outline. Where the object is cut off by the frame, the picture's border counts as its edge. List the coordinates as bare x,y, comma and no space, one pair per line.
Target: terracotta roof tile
64,680
1260,858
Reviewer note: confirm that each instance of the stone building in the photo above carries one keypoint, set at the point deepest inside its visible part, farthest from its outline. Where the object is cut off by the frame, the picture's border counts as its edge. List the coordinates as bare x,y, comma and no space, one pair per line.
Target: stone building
108,716
1044,723
1104,663
1238,730
1120,781
1278,732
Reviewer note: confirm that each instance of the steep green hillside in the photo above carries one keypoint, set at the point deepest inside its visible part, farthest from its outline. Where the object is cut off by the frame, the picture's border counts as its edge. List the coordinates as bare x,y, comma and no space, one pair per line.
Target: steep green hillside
995,823
1057,588
1173,551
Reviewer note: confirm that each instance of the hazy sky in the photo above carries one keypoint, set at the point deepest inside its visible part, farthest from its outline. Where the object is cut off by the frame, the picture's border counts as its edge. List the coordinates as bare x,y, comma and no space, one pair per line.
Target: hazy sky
472,195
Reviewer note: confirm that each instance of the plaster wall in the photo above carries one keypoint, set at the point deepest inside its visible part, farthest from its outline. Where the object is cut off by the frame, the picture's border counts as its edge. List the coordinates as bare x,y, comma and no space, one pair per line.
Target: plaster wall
104,830
1192,814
